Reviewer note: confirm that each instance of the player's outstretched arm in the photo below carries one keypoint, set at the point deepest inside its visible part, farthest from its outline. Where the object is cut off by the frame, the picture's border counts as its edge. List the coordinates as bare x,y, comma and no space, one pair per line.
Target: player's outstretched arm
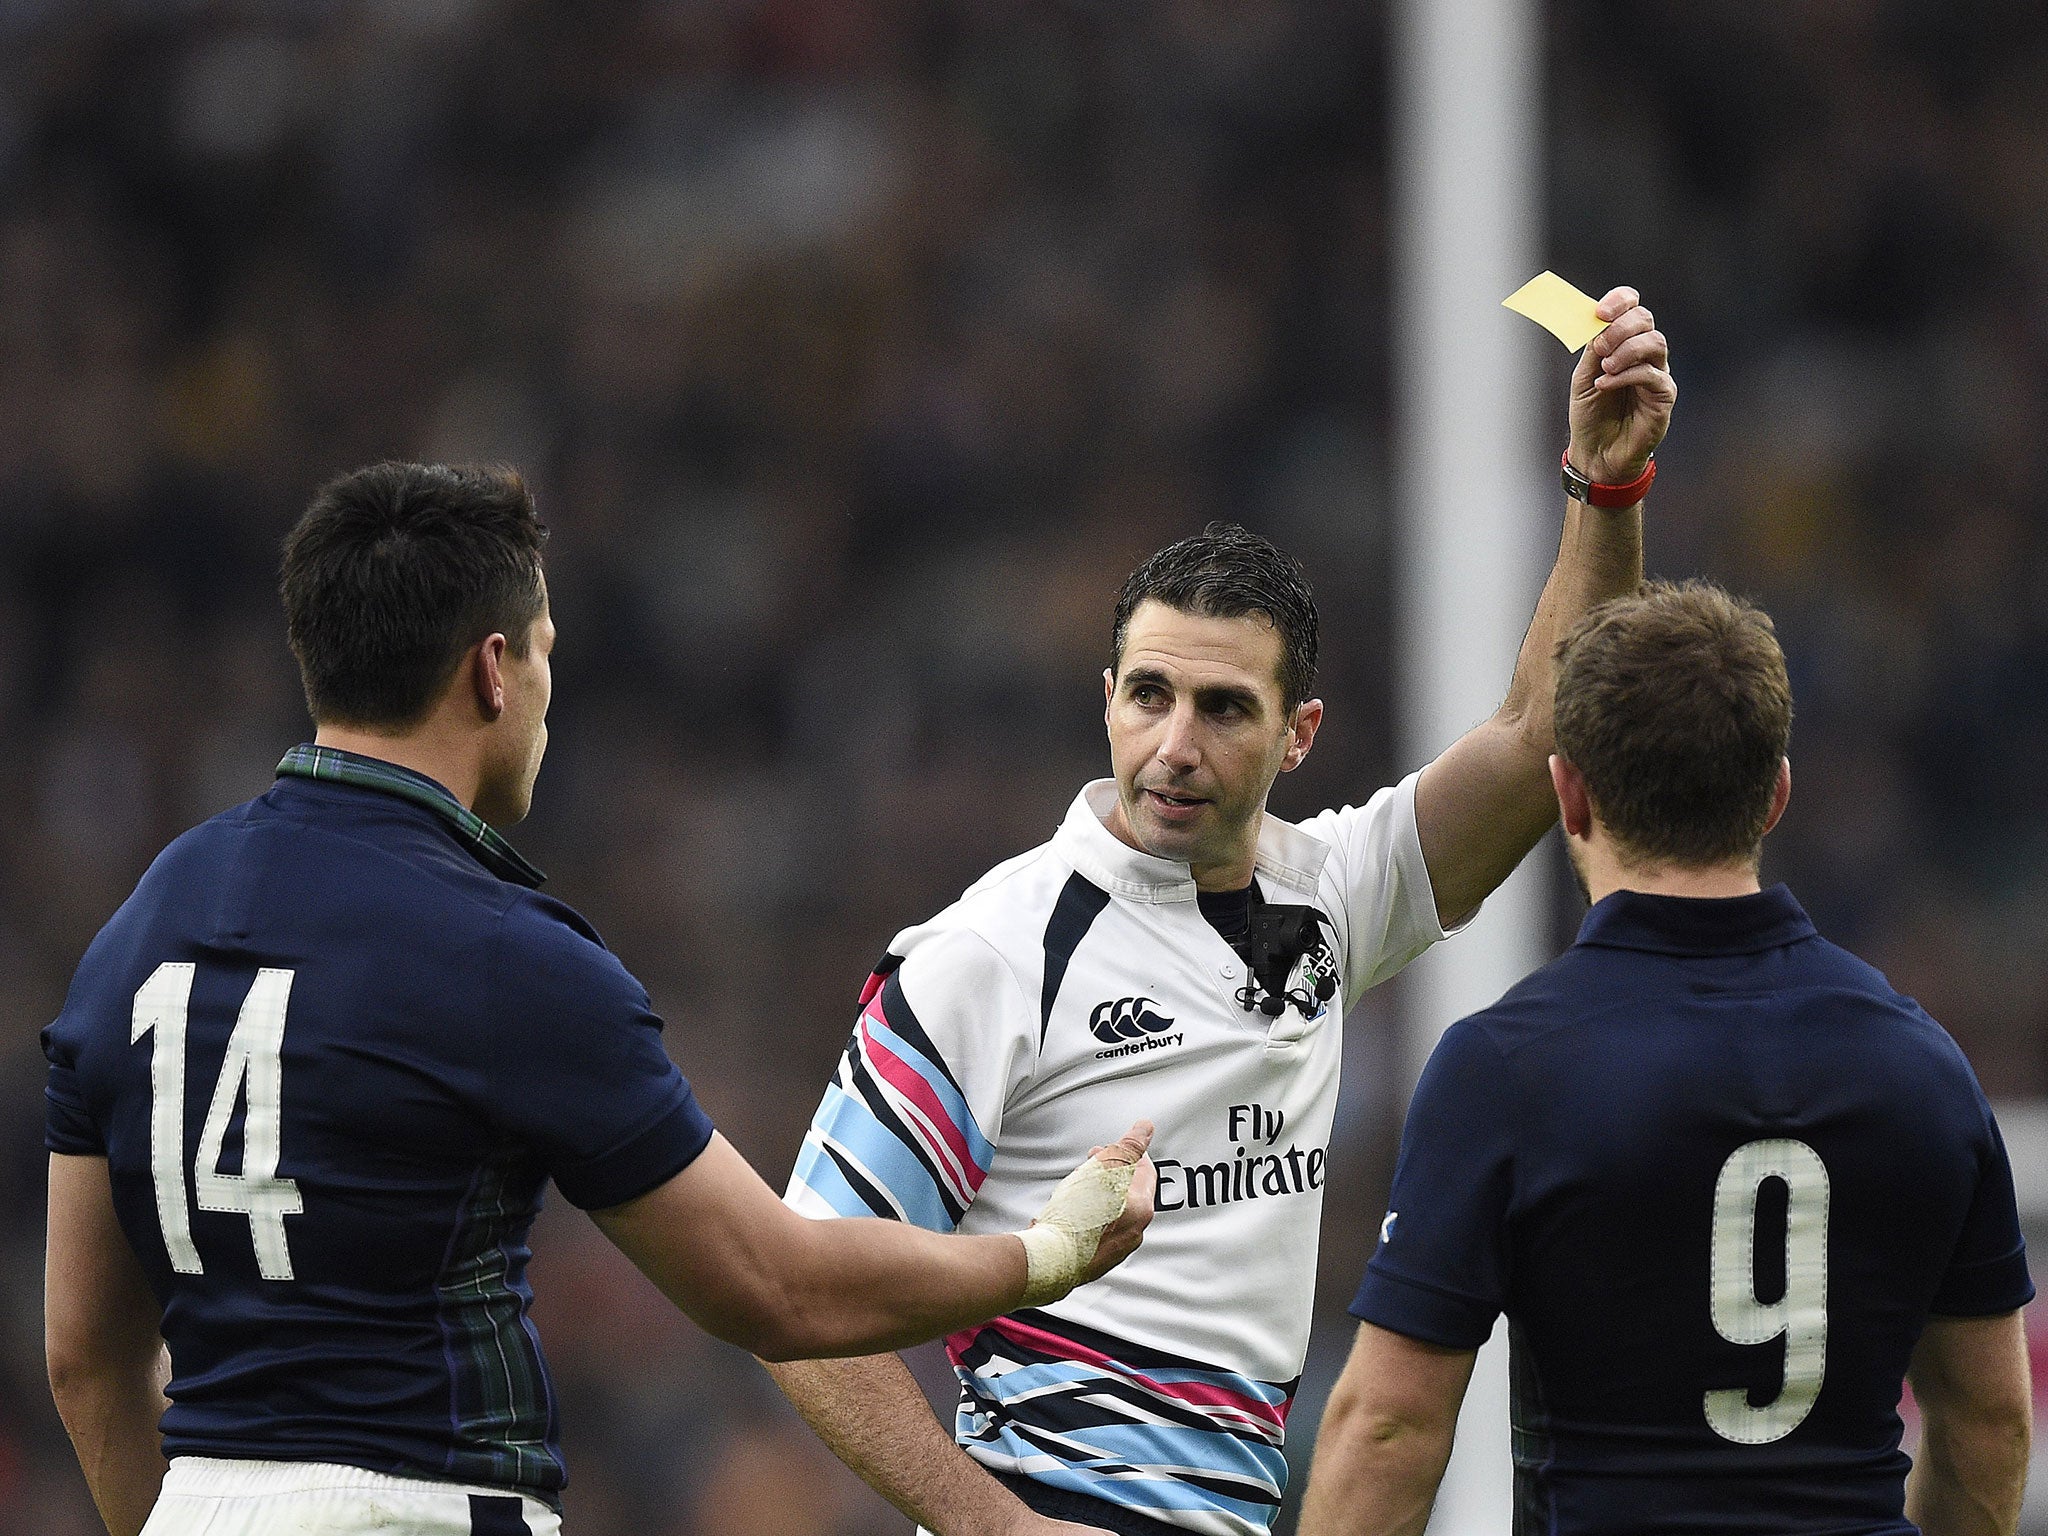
100,1335
750,1270
1484,803
1385,1437
1971,1379
871,1414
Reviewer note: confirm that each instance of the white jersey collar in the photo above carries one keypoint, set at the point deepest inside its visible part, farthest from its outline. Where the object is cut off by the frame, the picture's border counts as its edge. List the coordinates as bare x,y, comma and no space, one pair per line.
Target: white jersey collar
1286,855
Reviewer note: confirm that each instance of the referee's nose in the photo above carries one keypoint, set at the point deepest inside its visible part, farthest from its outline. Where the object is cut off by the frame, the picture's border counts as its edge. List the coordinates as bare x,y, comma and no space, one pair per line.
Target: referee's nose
1180,748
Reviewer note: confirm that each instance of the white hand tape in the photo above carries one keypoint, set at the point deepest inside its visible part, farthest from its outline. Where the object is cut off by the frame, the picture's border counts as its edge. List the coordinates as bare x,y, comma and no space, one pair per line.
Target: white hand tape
1060,1246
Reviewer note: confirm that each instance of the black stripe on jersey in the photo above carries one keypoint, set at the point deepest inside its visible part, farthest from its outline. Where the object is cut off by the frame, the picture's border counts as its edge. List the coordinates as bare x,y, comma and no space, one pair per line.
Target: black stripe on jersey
896,1009
884,969
988,1347
496,1515
1080,1508
1124,1351
1080,903
1052,1444
878,1105
870,1196
1067,1409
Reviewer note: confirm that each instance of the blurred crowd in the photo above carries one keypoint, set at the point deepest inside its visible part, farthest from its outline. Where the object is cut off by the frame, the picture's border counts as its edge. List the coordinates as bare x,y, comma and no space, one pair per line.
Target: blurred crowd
856,350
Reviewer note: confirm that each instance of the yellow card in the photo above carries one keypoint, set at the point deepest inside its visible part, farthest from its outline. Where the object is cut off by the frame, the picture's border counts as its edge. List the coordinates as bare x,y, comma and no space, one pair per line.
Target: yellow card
1559,308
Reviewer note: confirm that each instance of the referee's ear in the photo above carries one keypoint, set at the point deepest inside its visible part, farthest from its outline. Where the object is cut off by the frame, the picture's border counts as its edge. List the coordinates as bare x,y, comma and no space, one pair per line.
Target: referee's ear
1574,805
1301,733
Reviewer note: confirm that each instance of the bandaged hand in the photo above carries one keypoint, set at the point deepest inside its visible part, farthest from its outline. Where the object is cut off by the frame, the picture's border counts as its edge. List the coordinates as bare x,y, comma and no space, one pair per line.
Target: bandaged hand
1107,1197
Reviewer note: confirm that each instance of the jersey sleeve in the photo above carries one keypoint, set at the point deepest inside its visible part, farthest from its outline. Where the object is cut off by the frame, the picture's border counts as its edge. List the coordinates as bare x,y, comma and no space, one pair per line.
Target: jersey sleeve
1988,1273
576,1067
1439,1273
68,1125
910,1121
1389,907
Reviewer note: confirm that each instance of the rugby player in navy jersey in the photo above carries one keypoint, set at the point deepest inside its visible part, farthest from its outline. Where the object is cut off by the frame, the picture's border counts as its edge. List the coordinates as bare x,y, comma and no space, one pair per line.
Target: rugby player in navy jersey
312,1077
1729,1188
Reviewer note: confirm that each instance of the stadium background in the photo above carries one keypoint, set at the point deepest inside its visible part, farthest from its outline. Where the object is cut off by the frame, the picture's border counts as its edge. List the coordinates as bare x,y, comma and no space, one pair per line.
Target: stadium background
856,352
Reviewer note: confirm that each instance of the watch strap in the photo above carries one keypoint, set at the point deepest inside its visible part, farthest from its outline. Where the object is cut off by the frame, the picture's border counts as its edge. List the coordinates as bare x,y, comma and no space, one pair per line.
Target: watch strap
1593,493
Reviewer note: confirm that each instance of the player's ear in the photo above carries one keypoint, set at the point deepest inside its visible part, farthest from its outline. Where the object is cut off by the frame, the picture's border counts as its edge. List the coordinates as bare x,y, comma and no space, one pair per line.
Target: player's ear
487,676
1108,691
1308,715
1781,794
1574,805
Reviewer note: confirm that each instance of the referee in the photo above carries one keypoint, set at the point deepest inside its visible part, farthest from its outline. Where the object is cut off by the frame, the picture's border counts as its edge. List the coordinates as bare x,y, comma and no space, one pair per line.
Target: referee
1730,1189
311,1079
1176,947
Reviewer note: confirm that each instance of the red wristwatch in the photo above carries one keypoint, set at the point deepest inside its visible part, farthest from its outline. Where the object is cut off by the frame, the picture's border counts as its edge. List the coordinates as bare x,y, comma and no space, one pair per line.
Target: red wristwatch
1581,488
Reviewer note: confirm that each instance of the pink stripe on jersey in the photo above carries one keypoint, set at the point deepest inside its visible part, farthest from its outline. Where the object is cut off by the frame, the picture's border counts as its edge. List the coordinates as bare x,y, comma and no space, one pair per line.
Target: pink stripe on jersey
1195,1393
872,989
909,1082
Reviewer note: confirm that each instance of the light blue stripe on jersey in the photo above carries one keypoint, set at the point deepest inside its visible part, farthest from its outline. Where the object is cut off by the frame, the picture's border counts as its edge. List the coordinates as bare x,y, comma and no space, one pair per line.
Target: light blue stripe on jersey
1176,1445
1144,1492
846,1119
816,1171
941,1086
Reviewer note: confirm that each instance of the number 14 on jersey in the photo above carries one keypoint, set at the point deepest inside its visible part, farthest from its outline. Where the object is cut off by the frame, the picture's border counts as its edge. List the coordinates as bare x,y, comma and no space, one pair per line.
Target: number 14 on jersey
254,1062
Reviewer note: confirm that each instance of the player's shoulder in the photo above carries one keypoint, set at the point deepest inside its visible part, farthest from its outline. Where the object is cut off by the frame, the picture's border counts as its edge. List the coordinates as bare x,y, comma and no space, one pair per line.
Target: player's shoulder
1830,964
184,876
1819,983
1897,1018
545,941
1549,998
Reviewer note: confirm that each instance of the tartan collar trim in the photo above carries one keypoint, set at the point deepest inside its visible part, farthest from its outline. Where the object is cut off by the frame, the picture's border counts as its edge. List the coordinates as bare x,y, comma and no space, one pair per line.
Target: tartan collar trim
334,766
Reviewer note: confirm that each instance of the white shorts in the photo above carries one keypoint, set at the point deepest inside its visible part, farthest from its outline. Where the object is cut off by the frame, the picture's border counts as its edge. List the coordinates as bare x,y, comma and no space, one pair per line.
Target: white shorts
208,1496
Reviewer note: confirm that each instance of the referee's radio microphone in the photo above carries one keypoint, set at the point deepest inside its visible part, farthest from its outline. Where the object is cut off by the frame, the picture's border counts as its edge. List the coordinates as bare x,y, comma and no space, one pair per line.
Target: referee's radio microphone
1276,941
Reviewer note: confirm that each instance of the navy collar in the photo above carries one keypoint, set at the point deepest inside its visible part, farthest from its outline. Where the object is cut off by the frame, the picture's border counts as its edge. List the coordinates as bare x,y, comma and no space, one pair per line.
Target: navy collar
1697,925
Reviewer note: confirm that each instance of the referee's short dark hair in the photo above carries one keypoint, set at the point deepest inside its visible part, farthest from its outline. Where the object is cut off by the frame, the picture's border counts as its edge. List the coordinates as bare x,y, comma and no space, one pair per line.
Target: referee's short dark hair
1225,572
394,572
1674,705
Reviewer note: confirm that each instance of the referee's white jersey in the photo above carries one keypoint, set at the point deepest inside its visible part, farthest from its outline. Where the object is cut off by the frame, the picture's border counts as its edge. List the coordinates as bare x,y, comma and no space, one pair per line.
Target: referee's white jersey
1069,992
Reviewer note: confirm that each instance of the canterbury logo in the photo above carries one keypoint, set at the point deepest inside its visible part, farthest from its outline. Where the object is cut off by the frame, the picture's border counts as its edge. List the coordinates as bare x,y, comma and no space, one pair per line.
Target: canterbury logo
1127,1018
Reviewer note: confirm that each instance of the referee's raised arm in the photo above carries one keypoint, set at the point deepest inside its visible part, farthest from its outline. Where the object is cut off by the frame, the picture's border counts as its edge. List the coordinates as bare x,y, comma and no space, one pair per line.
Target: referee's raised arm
1484,803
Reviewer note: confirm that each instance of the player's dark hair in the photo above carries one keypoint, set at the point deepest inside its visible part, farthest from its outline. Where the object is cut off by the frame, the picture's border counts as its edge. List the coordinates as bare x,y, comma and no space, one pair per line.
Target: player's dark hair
394,572
1674,704
1225,572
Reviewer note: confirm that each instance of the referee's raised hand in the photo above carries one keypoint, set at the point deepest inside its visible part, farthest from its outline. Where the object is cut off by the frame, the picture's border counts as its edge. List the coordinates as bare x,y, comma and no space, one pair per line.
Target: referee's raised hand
1622,393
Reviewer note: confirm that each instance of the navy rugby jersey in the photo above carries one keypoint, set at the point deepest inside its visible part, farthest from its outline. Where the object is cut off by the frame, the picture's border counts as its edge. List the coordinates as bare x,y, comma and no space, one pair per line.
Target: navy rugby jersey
1717,1174
332,1048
